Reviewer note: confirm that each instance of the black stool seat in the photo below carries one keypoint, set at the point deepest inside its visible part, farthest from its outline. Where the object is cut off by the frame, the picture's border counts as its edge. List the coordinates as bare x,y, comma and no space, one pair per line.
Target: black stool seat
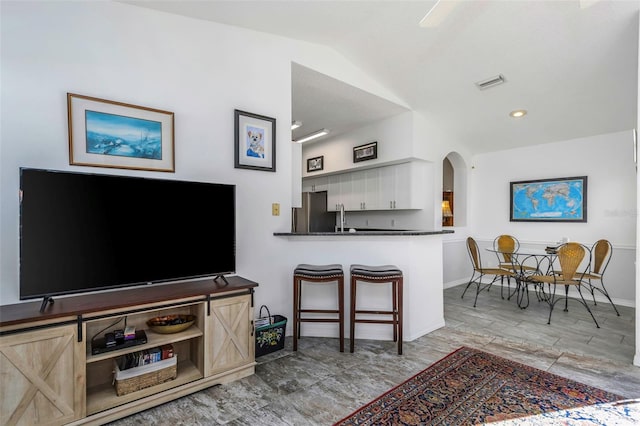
318,270
382,271
378,274
331,273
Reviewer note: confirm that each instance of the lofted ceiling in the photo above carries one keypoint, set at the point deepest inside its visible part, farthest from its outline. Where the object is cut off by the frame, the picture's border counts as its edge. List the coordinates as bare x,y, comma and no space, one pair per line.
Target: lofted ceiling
573,65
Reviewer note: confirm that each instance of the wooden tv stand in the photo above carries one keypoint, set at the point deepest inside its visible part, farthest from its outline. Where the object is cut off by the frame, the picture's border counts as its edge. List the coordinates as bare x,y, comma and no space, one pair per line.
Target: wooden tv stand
49,375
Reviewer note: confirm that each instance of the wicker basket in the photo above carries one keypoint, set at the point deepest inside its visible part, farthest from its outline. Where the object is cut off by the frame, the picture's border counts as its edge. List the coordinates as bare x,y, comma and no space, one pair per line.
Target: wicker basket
134,379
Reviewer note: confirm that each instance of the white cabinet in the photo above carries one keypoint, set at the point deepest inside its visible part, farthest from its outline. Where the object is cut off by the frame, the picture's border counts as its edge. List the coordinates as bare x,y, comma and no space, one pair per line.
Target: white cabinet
394,187
339,192
365,186
315,184
399,187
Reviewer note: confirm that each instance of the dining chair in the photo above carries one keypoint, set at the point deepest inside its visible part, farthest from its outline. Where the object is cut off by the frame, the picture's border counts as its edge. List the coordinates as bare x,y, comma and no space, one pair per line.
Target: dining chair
600,253
506,248
570,257
480,272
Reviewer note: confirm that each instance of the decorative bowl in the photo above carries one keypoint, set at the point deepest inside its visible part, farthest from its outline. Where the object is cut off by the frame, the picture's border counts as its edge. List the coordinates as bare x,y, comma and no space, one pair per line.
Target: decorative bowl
168,324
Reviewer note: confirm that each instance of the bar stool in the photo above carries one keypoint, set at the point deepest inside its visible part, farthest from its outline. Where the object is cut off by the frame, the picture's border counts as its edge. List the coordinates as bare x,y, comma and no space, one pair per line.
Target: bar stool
380,275
317,274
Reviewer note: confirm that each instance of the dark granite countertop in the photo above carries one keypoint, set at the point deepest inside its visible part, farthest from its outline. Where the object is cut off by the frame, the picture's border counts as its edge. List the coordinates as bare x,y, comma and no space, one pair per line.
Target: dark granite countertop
363,232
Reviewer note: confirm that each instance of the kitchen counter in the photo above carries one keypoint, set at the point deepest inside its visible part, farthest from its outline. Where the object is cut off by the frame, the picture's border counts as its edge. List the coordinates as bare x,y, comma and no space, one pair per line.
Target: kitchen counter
363,232
417,253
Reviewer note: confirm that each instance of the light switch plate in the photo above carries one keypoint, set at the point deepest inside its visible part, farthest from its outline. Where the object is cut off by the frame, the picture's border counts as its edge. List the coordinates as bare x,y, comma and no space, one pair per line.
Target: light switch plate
275,209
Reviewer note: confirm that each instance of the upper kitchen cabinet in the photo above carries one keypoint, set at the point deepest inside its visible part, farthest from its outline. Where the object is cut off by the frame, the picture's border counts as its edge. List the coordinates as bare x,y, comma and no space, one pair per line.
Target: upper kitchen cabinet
365,187
383,188
399,187
339,192
315,184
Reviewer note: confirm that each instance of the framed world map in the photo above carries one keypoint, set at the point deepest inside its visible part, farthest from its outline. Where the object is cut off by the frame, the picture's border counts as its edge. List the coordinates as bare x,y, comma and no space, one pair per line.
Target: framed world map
549,200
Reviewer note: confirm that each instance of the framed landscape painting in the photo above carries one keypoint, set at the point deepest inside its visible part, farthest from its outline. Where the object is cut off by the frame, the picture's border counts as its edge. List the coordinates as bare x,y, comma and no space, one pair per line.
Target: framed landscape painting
106,133
549,200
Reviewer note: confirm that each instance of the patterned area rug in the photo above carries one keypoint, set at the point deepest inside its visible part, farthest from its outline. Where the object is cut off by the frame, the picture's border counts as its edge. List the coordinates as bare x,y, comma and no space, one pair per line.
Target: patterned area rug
470,386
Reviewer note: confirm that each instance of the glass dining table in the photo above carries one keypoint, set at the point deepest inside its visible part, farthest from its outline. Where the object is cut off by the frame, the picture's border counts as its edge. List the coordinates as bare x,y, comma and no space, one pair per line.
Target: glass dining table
525,262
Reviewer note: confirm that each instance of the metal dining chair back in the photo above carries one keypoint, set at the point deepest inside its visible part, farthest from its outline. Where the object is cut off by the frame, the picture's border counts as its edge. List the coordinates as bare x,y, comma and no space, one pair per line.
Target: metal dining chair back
479,271
506,245
601,252
571,258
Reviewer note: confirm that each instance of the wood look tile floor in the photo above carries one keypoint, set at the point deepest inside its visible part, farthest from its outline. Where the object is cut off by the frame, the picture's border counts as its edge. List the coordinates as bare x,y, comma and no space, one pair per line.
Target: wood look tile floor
318,385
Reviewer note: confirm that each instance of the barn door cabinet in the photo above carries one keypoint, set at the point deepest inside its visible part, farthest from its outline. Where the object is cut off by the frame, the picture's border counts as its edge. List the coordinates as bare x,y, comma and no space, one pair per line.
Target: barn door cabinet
50,376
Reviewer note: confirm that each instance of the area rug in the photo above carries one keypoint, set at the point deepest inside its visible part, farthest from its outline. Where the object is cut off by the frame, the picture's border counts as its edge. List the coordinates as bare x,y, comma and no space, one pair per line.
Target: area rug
469,387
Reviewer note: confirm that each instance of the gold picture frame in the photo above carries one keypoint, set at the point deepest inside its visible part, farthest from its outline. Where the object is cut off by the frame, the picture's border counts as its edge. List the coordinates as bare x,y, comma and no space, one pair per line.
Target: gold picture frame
104,133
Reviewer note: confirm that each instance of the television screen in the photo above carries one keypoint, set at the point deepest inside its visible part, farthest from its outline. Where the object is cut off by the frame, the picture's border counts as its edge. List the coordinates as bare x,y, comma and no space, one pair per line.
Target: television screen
82,232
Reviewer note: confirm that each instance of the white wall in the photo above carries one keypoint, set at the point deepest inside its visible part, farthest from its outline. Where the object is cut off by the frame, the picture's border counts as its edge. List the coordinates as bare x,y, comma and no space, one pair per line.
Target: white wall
607,161
199,70
392,134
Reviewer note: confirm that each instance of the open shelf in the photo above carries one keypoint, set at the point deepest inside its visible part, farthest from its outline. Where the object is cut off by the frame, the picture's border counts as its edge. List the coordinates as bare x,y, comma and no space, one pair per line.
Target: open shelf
103,397
153,340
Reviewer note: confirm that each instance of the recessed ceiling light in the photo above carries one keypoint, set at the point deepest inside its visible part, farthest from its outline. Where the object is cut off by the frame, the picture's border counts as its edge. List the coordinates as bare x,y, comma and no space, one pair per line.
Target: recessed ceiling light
295,124
518,113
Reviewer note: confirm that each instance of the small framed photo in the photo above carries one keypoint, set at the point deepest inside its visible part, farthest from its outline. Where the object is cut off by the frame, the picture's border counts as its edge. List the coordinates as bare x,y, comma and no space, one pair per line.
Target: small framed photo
255,141
106,133
314,164
365,152
549,200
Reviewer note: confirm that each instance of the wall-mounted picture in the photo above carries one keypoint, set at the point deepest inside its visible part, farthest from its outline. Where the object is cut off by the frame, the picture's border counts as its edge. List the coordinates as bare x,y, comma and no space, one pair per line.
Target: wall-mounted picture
105,133
365,152
314,164
549,200
255,146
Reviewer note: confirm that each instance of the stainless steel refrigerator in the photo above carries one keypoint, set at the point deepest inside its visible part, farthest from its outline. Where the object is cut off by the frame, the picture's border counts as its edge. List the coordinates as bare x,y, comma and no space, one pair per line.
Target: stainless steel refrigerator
313,215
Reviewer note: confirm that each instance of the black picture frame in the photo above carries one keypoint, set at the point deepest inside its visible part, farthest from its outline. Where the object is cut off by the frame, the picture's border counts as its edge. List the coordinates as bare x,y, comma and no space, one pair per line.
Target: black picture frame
365,152
255,141
549,200
315,164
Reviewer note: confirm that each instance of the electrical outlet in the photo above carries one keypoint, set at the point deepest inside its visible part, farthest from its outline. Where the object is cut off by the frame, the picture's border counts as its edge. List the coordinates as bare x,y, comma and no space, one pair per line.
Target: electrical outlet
275,209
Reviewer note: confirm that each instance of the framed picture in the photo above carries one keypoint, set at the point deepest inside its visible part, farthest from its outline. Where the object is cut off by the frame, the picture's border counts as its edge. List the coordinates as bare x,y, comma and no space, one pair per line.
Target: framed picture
255,139
549,200
314,164
106,133
365,152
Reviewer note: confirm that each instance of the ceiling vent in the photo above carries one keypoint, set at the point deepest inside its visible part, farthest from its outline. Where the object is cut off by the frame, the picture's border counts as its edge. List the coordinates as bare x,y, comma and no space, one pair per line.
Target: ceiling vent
490,82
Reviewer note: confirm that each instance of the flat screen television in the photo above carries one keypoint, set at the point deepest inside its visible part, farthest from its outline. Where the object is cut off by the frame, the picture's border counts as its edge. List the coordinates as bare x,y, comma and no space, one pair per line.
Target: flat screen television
82,232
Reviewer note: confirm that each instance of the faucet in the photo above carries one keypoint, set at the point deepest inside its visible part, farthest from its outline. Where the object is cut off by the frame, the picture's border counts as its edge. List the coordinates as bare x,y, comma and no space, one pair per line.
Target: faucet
342,218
